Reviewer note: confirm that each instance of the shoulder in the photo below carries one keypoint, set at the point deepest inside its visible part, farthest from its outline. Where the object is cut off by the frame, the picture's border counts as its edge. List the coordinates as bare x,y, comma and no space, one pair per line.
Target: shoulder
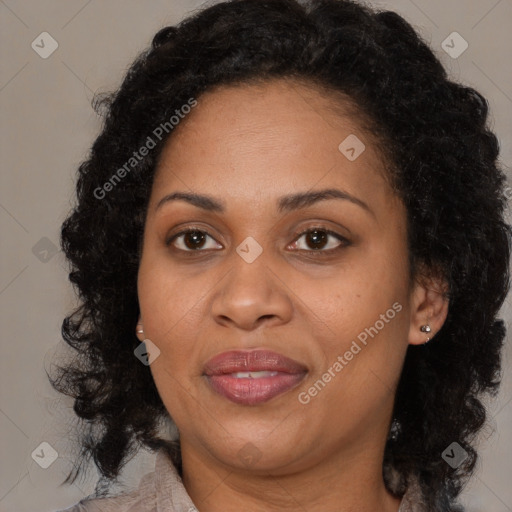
143,499
159,491
414,500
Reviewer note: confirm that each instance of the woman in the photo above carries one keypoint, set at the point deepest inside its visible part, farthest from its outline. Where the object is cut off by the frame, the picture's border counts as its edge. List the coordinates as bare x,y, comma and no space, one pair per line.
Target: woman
289,242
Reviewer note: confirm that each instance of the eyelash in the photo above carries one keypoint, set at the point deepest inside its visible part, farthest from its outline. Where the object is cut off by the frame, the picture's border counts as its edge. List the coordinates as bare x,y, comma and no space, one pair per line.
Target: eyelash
317,253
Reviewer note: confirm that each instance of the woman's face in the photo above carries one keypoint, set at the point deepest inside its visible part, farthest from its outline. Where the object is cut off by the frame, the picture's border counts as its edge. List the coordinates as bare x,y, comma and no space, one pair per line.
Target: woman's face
326,315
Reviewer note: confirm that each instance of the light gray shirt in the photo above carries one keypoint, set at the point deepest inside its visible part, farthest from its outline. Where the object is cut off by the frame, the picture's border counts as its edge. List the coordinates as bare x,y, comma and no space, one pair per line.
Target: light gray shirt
163,491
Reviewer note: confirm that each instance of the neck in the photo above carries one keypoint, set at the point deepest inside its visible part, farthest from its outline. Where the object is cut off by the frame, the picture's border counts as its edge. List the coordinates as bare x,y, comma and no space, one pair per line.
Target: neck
344,482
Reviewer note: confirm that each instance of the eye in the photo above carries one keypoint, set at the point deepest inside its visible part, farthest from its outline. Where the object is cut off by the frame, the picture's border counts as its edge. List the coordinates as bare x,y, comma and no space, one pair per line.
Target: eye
317,240
191,240
320,240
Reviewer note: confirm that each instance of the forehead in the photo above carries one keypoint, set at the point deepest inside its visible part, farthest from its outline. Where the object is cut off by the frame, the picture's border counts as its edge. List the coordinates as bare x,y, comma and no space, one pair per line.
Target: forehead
268,137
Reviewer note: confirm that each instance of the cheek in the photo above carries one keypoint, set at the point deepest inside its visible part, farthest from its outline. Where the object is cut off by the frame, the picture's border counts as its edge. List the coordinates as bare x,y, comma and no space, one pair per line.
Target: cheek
168,300
171,313
174,309
354,296
362,310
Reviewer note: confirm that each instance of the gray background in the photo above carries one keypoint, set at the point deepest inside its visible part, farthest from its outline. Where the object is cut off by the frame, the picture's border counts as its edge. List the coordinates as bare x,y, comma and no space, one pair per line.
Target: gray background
47,127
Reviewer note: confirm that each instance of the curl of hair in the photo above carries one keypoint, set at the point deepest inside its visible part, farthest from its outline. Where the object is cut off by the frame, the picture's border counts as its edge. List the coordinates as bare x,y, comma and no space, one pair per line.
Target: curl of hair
443,165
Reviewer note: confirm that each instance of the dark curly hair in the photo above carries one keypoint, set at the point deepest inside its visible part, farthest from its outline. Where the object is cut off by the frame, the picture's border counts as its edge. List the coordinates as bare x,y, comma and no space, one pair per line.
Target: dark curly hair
443,164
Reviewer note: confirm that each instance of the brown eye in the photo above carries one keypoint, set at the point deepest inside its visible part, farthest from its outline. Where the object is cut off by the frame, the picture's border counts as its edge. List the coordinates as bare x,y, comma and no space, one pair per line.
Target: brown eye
320,240
316,239
192,240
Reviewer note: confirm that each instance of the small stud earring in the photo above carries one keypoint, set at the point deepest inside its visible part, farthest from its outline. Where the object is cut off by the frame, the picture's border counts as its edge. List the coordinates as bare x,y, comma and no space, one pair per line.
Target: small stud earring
141,330
426,328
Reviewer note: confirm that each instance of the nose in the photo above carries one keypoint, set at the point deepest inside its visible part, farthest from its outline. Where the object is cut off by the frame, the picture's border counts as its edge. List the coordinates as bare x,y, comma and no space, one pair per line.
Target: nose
251,294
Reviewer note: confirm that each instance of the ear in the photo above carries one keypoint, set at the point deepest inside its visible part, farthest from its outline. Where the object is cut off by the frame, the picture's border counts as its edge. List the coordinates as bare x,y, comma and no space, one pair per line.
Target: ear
429,306
140,330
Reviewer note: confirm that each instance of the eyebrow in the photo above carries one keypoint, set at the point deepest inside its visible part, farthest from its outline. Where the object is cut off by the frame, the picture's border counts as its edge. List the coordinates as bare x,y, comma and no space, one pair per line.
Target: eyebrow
284,204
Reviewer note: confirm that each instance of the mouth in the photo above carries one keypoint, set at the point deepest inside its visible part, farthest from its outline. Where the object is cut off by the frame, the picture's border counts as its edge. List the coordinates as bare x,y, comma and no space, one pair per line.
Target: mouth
252,377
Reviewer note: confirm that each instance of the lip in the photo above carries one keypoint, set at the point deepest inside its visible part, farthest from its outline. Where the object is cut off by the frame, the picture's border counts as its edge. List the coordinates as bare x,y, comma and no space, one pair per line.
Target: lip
219,372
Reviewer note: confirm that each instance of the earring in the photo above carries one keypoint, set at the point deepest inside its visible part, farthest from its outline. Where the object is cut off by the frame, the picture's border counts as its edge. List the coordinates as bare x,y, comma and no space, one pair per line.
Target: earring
426,328
141,330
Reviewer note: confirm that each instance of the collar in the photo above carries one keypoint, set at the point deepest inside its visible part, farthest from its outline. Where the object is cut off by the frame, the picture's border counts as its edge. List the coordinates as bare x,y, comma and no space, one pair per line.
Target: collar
171,494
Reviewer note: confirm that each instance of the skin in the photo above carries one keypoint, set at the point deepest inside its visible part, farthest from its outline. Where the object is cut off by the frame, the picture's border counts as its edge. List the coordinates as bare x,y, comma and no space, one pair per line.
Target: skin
247,146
